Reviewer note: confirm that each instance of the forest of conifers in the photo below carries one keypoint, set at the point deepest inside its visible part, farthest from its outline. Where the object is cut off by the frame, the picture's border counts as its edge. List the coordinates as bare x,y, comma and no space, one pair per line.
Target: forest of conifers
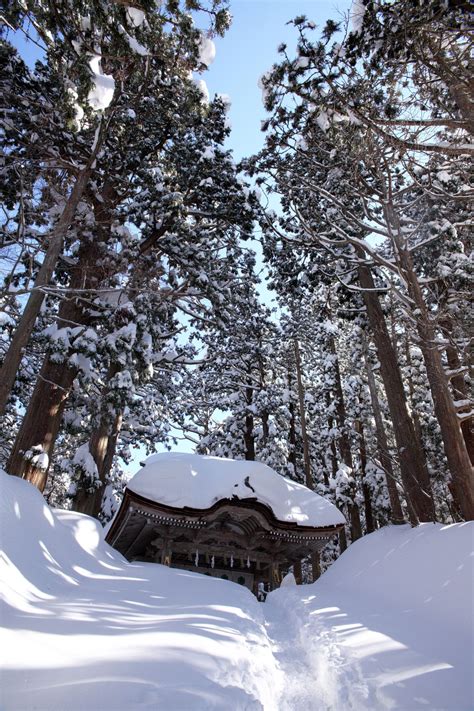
132,248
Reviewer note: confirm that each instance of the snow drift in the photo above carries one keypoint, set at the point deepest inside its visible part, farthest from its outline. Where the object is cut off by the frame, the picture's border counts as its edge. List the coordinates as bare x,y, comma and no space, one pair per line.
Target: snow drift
84,629
389,626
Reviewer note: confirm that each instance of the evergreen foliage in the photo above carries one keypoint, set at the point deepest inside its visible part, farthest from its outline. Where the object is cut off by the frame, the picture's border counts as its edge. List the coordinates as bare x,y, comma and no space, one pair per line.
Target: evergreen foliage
131,315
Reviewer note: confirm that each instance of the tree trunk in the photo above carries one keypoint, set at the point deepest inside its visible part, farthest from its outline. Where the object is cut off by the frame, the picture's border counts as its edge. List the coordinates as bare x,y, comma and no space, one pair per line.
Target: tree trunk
459,388
382,446
41,422
265,413
412,462
102,447
369,518
333,450
297,572
342,540
315,561
411,391
28,318
453,440
249,438
344,441
304,434
292,439
316,565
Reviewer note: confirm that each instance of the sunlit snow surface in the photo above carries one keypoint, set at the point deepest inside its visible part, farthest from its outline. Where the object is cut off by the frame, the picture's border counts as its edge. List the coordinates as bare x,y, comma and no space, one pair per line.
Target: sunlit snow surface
180,479
84,629
388,627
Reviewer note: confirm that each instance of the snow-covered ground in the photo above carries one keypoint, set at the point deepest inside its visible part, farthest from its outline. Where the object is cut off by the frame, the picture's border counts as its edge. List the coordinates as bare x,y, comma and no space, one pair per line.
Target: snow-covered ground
388,626
84,629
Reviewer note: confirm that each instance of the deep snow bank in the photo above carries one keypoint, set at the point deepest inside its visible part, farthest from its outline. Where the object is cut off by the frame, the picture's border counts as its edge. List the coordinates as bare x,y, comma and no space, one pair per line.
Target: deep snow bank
84,629
389,625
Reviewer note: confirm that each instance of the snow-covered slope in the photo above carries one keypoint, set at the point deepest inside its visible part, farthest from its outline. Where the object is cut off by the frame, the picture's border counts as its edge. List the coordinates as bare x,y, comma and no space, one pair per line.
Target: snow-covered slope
389,626
181,479
84,629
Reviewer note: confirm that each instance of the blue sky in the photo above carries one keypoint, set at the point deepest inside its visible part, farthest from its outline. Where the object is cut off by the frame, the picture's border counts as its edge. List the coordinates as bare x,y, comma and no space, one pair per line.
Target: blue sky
246,51
249,49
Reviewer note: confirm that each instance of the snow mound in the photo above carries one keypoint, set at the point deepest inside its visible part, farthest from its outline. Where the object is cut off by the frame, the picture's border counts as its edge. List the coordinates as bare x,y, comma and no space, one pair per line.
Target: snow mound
84,629
388,626
428,569
179,479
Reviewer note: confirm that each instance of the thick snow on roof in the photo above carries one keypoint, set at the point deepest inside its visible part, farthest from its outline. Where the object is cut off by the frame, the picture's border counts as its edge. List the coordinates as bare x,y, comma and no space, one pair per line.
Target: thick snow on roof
197,481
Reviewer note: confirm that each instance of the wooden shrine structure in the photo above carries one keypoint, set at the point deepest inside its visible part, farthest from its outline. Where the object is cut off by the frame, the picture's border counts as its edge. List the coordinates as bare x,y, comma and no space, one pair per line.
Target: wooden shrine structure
235,539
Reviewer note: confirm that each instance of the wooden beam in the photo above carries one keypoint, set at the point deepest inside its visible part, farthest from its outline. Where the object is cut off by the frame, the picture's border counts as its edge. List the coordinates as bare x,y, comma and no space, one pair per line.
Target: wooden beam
225,544
221,551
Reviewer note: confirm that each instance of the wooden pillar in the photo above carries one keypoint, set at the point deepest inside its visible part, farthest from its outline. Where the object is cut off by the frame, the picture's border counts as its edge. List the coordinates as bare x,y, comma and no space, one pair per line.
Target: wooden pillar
297,572
166,554
275,579
316,565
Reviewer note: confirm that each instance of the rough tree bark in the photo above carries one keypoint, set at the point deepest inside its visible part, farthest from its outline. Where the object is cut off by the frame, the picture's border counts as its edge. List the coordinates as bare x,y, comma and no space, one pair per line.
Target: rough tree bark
297,572
413,470
23,332
315,562
459,387
42,420
344,443
292,430
332,448
334,468
249,437
102,446
411,390
265,414
369,518
454,445
383,450
304,433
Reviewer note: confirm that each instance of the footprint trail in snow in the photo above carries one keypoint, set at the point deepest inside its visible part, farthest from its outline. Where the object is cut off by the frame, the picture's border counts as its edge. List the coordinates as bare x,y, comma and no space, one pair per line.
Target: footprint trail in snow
315,675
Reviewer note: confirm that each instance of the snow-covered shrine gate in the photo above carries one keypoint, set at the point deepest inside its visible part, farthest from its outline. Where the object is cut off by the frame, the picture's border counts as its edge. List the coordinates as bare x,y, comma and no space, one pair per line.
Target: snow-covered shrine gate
236,539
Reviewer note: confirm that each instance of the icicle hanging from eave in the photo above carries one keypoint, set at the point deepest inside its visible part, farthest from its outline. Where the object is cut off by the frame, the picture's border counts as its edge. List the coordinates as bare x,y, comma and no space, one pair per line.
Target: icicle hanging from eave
196,558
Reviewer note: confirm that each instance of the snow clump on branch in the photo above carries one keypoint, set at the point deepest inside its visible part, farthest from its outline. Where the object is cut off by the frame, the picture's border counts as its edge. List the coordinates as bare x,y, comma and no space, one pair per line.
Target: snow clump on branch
357,13
102,92
135,16
207,51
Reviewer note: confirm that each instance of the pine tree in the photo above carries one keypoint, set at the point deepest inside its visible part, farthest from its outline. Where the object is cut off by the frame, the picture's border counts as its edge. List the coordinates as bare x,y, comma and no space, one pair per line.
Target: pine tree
110,195
345,163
